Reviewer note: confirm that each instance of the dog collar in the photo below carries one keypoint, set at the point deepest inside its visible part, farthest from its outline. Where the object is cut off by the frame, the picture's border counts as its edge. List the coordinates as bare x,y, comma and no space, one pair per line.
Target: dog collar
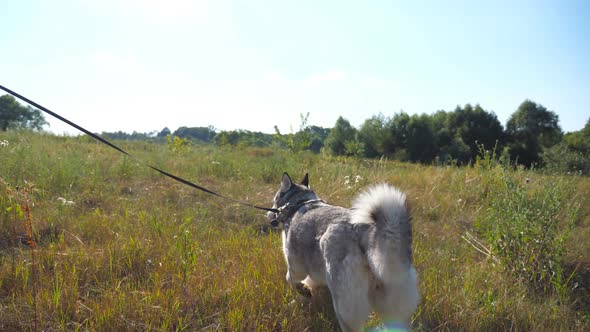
289,209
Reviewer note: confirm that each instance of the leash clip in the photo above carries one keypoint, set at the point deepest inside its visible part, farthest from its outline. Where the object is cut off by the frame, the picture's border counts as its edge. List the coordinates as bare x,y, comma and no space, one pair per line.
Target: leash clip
275,221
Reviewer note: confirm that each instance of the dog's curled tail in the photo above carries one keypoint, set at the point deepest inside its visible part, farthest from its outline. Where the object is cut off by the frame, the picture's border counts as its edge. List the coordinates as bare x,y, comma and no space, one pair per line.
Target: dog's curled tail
388,240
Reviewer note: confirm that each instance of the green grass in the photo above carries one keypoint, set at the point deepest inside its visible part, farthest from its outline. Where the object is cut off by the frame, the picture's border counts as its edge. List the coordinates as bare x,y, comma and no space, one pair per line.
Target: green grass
137,251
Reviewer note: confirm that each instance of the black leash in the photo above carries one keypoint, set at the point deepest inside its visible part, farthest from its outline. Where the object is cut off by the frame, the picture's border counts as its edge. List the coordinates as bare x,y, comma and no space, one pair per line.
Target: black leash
104,141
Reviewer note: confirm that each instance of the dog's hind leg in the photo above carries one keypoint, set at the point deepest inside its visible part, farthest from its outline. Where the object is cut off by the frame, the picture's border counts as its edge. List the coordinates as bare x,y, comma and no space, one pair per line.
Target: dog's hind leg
347,276
396,301
349,287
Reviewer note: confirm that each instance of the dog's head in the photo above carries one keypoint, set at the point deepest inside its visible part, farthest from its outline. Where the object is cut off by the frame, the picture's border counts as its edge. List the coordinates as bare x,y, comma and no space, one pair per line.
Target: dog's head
290,193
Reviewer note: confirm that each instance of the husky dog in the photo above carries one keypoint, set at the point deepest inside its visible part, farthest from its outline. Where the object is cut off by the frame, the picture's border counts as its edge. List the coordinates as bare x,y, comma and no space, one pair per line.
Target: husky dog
362,254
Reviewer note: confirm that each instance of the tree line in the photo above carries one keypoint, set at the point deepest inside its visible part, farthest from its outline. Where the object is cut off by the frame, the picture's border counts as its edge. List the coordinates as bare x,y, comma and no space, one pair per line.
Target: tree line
532,136
449,136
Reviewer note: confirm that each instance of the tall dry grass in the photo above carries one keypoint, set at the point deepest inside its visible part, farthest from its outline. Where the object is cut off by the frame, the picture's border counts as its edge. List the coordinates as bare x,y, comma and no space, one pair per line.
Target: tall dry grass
119,247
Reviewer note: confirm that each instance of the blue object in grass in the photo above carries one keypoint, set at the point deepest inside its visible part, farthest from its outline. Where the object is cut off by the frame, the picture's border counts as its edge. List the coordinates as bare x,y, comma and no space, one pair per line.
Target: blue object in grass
391,326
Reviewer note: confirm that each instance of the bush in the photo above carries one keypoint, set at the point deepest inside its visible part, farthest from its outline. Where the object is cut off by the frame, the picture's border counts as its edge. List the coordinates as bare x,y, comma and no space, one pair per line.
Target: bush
561,159
527,226
176,144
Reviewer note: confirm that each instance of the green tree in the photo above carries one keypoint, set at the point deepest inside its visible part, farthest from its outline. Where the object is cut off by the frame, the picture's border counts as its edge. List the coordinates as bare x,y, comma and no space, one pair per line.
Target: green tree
355,147
421,140
579,140
475,127
242,138
530,129
165,132
374,136
318,137
339,136
397,136
298,141
15,116
455,151
204,134
572,154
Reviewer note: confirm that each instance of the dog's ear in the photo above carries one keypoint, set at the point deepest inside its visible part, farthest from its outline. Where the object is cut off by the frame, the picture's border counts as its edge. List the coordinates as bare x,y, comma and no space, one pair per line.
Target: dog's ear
286,182
305,180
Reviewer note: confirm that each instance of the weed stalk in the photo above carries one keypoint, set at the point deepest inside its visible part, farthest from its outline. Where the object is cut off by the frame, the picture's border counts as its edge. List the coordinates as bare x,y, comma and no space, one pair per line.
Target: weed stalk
22,197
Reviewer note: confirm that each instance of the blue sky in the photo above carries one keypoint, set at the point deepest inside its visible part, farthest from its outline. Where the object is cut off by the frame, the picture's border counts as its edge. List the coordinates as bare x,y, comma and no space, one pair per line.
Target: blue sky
145,64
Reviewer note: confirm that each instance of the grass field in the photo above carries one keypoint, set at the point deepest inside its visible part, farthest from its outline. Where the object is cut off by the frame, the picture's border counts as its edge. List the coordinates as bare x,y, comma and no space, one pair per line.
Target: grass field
116,246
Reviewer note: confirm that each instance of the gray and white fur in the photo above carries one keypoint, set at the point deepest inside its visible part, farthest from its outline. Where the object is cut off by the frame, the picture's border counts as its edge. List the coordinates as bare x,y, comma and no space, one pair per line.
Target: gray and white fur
363,254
